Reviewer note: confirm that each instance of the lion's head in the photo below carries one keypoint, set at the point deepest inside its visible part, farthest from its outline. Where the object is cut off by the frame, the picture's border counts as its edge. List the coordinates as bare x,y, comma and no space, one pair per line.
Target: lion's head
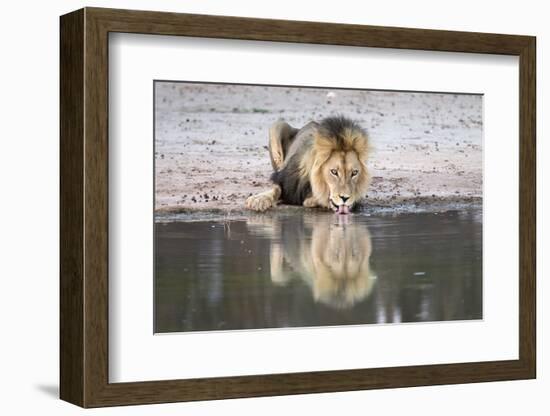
339,177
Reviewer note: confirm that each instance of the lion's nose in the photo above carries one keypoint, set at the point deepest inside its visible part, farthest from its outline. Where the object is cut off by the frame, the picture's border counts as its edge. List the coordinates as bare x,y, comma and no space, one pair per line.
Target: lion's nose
344,198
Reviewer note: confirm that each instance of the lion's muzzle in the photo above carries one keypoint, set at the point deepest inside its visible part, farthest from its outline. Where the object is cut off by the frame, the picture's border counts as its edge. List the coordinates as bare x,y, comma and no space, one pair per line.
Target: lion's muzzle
341,208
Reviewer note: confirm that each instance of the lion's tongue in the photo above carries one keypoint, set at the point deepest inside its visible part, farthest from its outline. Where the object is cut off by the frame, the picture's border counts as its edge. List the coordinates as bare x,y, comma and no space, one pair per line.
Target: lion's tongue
343,209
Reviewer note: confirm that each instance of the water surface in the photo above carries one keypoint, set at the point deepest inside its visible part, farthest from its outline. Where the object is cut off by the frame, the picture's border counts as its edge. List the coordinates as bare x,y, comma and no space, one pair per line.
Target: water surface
304,269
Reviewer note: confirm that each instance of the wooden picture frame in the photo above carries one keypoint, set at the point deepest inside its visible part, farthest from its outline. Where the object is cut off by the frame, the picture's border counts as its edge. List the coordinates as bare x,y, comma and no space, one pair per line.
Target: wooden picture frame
84,207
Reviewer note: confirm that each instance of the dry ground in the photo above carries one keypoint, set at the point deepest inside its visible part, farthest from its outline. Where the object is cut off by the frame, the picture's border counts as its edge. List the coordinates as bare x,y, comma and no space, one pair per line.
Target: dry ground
211,142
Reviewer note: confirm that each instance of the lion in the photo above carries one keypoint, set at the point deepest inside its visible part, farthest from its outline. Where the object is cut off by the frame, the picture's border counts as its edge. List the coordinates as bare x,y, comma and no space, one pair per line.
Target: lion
323,164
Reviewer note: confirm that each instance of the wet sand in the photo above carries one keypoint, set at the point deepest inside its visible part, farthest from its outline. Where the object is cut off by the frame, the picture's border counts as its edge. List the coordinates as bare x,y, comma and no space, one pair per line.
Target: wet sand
211,144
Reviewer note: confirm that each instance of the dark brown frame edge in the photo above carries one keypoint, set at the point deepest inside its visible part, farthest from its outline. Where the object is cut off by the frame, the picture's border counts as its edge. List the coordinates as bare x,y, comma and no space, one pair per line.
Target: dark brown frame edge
84,207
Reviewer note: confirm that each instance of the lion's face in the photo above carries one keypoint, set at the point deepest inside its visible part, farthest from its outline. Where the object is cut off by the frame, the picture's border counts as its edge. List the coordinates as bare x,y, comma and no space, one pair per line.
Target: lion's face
344,175
339,176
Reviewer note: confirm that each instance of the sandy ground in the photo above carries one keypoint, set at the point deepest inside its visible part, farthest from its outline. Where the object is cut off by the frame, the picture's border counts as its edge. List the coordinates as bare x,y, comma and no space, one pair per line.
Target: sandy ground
211,143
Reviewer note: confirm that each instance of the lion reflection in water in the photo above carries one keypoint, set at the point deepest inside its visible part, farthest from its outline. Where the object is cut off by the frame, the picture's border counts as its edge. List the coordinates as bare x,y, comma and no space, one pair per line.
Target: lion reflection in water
330,253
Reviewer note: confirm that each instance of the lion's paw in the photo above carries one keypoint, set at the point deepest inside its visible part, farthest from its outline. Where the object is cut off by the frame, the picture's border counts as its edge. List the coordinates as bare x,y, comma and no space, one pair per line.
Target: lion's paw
310,202
259,202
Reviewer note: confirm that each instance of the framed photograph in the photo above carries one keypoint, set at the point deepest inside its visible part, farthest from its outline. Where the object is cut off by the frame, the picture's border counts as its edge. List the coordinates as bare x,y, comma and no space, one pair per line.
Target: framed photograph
255,207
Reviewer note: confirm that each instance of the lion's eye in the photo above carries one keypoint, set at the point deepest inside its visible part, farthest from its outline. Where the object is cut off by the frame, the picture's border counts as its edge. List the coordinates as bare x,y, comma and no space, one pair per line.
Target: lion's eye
354,173
334,172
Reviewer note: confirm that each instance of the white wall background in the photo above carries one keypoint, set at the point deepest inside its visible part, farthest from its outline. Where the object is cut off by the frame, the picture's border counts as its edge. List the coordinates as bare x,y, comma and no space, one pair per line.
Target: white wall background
29,209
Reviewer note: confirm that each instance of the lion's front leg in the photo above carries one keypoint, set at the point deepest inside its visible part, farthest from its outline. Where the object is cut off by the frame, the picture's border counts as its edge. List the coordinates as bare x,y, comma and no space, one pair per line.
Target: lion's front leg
264,200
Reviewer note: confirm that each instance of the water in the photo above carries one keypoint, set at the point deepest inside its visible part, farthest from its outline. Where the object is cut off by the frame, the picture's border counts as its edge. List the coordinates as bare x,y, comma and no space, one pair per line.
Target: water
314,269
